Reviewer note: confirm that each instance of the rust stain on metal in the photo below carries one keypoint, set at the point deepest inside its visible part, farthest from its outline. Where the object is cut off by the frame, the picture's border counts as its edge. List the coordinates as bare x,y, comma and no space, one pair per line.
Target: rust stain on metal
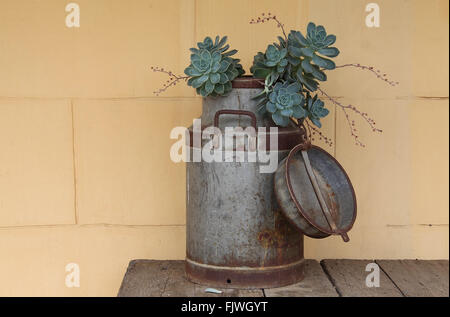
278,238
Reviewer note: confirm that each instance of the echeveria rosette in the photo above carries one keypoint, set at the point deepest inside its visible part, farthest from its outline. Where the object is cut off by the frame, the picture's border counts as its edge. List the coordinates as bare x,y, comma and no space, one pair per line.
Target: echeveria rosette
272,64
316,110
306,55
285,101
212,69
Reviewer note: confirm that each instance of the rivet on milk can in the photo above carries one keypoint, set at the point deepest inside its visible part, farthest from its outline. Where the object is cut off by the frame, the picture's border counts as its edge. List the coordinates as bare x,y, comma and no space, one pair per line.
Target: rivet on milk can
236,234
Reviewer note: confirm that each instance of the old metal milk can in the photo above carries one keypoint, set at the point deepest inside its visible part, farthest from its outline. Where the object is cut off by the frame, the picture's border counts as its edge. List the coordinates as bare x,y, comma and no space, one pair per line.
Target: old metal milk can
236,234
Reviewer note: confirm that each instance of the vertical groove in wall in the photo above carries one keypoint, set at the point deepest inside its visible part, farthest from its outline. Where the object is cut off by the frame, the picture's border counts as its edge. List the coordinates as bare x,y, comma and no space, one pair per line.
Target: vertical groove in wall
335,129
304,15
195,21
74,164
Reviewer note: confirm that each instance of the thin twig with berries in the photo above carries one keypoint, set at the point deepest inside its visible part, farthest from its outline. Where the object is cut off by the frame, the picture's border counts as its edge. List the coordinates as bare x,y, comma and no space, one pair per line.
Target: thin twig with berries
267,17
376,72
172,81
314,132
351,122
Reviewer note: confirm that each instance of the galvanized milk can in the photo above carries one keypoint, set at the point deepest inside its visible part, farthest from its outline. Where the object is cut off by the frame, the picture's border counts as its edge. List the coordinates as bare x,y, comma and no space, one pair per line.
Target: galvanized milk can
244,227
236,234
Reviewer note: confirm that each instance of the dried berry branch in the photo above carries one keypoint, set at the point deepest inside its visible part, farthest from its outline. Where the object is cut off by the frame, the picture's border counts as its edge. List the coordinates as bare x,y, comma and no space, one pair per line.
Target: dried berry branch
351,122
376,72
172,81
267,17
313,131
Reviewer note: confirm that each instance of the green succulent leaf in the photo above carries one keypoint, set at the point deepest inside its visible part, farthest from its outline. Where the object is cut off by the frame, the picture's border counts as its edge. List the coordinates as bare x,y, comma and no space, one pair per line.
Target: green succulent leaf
200,81
224,66
295,51
280,119
203,91
222,41
311,28
330,40
330,51
294,61
270,63
214,78
191,80
307,66
223,49
271,107
216,57
311,84
300,38
323,62
287,112
228,86
299,112
219,89
293,88
209,87
230,53
318,74
191,71
223,79
307,51
316,122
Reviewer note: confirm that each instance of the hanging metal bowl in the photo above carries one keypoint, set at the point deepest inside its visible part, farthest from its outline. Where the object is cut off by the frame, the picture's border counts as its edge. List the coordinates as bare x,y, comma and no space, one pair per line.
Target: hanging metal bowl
315,193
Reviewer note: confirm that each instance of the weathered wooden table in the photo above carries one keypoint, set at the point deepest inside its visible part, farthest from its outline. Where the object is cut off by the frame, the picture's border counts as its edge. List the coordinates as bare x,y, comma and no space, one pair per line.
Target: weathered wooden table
329,278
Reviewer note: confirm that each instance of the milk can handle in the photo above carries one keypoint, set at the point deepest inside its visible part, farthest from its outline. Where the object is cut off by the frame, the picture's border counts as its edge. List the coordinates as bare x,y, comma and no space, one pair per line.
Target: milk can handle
237,112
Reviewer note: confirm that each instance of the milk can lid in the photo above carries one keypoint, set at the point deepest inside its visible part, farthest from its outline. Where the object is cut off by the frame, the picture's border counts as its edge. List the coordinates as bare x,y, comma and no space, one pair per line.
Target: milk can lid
315,193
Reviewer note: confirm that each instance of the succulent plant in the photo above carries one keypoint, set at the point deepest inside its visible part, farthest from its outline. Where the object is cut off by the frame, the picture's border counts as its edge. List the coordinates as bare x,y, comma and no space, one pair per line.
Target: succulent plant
305,55
212,69
273,63
316,110
285,101
300,60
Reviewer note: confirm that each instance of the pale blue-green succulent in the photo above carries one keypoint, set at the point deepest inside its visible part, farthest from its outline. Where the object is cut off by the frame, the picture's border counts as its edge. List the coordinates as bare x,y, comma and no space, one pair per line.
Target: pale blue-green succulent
285,101
212,69
316,110
273,63
304,64
306,55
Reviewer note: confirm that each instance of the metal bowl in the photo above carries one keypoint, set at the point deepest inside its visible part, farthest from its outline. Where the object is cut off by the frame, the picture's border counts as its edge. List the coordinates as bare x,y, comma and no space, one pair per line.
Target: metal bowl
300,202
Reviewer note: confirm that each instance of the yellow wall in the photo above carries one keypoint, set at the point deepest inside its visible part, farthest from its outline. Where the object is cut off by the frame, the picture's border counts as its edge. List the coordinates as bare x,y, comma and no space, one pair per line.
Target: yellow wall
85,174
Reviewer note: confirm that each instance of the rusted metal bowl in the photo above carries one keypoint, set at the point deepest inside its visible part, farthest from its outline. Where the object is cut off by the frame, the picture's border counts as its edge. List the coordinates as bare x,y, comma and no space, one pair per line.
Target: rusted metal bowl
299,201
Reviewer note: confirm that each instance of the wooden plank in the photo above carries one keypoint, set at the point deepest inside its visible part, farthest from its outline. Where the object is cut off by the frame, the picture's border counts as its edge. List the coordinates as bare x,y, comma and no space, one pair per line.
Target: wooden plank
150,278
349,278
178,286
315,284
144,278
418,278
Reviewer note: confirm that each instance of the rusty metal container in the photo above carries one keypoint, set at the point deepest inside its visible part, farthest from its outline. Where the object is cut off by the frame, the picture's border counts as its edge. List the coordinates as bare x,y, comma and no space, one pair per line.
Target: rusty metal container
236,235
301,203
